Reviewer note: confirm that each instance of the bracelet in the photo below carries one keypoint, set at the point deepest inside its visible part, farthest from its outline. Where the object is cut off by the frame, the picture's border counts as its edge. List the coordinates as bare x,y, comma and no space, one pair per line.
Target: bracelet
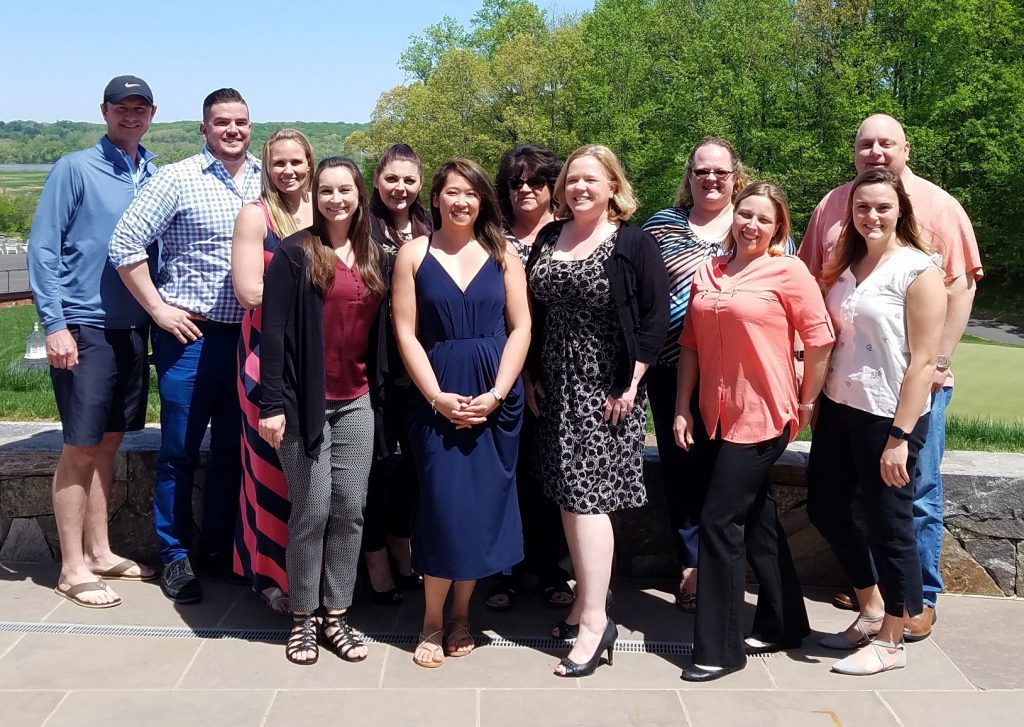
433,402
806,407
494,392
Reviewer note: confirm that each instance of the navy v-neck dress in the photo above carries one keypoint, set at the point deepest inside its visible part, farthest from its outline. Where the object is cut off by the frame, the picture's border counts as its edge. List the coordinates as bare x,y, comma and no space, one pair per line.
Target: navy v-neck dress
468,524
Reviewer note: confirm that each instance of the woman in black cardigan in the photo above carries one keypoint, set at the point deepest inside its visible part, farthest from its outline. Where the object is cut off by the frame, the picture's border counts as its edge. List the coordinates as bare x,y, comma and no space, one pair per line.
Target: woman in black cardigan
600,306
322,298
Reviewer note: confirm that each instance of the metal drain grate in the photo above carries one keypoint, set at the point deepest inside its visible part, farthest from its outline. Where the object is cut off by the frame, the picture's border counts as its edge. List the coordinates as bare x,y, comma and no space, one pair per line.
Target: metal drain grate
542,643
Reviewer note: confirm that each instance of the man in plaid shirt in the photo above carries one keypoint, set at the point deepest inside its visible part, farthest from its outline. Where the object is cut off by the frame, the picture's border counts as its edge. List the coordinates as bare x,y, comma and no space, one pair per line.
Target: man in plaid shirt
191,207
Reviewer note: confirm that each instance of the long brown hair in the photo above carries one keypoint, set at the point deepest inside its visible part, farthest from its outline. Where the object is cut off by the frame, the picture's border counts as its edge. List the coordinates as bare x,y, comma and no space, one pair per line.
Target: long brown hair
283,223
780,240
317,243
417,214
487,226
740,179
851,246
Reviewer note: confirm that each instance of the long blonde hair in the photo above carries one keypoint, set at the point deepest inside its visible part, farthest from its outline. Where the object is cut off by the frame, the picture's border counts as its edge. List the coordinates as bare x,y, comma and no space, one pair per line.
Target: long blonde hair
623,202
280,219
317,244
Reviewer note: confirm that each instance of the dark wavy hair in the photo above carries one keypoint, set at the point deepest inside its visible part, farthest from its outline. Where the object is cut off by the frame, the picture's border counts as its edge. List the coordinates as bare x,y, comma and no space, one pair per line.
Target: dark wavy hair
487,226
317,243
525,161
417,213
851,245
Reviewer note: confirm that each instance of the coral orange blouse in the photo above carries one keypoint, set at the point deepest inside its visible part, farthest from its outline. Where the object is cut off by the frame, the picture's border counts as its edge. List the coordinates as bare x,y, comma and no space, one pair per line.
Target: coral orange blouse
742,330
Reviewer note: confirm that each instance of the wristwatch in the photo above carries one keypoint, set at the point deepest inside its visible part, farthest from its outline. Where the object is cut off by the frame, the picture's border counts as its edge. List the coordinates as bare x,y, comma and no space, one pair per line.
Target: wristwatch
897,433
942,362
494,392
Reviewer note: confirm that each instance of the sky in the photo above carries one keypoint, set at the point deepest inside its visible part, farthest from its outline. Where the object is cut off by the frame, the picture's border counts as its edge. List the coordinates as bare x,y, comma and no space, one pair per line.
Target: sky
292,60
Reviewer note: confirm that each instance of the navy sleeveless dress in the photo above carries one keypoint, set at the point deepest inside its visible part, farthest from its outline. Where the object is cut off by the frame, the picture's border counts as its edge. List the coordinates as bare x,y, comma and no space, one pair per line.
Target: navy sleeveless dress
468,524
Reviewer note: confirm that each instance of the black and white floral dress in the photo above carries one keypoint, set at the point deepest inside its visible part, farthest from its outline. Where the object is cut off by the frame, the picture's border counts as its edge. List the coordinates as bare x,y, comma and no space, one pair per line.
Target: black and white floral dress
587,465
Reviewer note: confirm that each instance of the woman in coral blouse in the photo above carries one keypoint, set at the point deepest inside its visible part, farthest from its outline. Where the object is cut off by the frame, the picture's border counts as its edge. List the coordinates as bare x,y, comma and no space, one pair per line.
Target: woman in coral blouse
745,307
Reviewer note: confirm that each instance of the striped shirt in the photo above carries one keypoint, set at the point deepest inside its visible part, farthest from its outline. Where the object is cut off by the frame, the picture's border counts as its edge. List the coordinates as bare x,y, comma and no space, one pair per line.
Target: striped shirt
683,252
191,206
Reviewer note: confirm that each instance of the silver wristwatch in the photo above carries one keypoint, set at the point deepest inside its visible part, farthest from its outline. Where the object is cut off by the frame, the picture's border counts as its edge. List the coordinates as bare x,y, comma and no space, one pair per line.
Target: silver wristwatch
942,362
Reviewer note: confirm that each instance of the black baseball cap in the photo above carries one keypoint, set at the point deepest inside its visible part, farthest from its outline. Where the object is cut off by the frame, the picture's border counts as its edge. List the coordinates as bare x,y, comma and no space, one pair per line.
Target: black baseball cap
122,87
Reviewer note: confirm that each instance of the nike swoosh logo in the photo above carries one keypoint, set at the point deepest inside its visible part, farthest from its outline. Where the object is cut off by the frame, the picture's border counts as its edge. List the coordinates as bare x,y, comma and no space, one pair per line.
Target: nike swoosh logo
132,85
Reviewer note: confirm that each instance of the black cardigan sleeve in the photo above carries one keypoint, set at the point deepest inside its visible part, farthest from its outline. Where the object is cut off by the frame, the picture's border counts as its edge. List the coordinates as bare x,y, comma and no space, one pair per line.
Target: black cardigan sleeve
280,286
652,297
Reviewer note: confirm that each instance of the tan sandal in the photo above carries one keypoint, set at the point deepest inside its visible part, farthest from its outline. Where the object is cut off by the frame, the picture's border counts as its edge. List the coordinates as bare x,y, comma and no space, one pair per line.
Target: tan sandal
456,629
430,644
72,594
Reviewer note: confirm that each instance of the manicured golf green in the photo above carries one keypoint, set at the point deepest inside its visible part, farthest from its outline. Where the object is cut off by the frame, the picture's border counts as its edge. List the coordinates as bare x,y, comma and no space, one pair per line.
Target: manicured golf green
989,382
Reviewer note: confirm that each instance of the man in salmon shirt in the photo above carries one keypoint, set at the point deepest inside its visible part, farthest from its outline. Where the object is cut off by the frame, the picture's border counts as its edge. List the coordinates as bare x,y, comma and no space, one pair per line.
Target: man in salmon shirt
881,142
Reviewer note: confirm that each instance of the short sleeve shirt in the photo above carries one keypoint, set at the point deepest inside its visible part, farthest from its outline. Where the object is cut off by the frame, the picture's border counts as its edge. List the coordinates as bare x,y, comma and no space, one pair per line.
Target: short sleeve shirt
872,353
742,328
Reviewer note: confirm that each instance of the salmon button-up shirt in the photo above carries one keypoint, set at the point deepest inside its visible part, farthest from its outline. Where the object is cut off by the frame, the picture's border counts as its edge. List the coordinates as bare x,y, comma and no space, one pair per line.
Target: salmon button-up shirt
742,329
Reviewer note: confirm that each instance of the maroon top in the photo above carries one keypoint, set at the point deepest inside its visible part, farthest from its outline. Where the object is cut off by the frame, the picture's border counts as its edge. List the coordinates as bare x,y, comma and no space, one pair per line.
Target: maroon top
349,313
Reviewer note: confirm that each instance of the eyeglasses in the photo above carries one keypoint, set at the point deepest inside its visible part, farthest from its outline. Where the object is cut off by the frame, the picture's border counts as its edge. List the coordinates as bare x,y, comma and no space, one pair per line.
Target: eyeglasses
719,173
517,183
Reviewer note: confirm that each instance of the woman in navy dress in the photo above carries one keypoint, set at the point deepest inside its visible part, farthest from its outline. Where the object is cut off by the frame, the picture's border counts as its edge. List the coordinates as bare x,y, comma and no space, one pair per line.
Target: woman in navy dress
463,328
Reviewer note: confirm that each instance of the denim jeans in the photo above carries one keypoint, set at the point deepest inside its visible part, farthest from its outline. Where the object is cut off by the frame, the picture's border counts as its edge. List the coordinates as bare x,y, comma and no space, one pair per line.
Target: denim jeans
197,388
928,497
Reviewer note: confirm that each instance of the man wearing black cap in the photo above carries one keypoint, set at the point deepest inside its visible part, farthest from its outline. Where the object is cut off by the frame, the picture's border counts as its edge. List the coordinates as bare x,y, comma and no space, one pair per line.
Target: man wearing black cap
95,335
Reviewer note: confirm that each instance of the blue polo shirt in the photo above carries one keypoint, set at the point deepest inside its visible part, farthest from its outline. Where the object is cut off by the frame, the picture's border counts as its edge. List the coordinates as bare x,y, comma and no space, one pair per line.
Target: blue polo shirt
82,199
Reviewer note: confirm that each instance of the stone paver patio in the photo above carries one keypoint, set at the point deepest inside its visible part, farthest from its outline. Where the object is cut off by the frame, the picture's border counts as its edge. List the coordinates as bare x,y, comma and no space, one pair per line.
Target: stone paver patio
221,662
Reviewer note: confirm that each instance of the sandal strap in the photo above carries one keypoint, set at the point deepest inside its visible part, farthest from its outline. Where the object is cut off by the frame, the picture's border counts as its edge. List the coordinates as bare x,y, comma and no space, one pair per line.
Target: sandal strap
431,640
861,620
458,630
345,638
302,636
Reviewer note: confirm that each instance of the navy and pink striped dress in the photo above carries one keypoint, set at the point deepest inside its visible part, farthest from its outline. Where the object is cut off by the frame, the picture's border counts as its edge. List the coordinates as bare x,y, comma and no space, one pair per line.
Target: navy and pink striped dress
262,533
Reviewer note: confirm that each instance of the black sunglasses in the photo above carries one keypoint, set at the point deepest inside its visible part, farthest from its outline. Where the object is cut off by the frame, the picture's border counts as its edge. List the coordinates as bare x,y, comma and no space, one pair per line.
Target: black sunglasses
536,182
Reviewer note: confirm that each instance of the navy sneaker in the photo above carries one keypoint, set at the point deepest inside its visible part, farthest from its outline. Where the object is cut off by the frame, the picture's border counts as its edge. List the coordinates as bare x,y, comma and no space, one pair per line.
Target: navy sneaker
179,583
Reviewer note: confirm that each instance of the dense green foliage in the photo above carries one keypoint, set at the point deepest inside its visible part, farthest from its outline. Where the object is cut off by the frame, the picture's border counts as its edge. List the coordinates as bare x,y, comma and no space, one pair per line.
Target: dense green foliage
788,81
33,142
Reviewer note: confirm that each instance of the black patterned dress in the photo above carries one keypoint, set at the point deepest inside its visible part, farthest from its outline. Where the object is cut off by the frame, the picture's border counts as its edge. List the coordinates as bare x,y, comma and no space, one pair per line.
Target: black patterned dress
587,465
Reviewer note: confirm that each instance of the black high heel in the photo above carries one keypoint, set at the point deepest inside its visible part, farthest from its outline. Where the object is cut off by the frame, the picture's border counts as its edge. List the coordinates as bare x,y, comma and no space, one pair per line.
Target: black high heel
607,643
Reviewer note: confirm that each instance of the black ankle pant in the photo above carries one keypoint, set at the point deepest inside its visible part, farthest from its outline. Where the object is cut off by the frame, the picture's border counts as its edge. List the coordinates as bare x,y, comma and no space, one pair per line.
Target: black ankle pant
844,466
739,518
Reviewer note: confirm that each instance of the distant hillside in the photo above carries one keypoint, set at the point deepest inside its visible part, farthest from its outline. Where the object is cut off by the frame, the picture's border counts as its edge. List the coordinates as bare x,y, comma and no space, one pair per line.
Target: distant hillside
33,142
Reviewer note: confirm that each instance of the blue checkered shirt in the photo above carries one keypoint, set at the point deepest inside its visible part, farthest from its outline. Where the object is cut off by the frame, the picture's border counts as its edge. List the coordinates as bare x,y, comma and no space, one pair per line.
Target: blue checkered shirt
191,206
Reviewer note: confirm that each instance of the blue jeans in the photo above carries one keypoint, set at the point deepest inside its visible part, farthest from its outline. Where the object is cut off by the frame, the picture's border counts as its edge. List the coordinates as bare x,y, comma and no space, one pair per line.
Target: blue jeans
197,388
928,497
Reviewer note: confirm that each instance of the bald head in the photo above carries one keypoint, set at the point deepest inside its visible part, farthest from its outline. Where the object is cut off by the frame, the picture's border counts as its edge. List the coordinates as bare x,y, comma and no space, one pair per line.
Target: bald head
881,142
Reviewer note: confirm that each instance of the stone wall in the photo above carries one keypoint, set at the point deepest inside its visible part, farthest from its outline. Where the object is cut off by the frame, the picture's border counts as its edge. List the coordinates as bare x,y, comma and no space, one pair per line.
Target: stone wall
983,548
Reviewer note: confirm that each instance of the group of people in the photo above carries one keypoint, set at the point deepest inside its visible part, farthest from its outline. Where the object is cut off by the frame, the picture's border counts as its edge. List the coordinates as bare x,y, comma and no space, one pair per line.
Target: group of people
429,390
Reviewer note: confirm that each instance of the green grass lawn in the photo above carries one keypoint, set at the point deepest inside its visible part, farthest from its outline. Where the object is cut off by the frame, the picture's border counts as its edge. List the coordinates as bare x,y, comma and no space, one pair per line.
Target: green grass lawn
987,412
22,181
27,395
